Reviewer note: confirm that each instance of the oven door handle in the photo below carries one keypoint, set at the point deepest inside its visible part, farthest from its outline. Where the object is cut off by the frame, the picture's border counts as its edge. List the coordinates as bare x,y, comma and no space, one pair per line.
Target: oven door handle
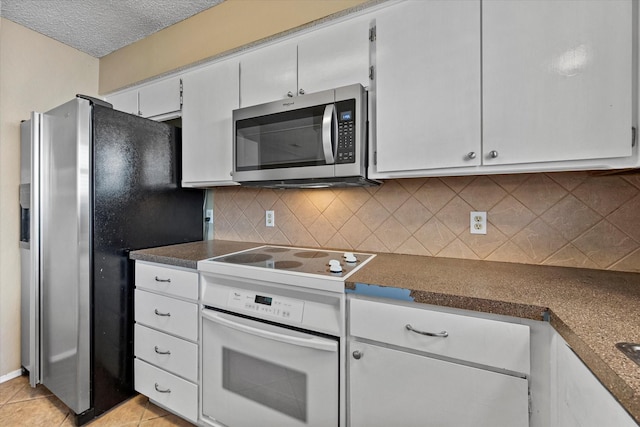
328,133
312,342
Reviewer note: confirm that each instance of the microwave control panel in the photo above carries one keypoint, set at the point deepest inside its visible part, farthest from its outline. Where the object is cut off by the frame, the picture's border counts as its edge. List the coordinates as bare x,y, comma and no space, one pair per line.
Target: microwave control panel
346,152
266,306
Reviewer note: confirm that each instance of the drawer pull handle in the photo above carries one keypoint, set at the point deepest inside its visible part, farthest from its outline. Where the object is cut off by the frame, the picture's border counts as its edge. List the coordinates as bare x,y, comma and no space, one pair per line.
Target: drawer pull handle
163,280
161,352
161,390
442,334
162,314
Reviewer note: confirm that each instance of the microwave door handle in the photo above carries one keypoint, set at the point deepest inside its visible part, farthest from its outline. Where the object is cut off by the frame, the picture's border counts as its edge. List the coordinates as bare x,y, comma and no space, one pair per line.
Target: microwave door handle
327,133
312,342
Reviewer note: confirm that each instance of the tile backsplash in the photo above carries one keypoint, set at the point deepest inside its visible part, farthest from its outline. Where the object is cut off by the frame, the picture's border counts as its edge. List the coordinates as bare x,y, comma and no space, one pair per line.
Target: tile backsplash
568,219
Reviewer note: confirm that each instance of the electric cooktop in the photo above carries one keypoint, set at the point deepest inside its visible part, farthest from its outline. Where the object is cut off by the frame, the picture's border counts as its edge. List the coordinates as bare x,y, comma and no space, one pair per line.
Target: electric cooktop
309,261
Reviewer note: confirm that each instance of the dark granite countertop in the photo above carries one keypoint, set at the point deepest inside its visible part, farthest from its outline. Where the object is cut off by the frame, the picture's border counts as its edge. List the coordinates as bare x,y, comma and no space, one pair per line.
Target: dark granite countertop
188,254
591,309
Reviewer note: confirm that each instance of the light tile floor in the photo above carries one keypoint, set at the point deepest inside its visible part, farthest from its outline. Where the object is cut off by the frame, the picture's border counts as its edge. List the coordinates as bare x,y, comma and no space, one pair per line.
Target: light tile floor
21,405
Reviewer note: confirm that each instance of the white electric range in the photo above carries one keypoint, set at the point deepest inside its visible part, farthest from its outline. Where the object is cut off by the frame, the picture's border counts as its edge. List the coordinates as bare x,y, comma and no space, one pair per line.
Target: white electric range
273,336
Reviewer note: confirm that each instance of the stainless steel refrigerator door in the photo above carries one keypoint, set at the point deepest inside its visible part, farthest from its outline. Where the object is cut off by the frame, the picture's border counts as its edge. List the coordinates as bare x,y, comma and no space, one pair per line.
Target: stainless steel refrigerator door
29,227
65,258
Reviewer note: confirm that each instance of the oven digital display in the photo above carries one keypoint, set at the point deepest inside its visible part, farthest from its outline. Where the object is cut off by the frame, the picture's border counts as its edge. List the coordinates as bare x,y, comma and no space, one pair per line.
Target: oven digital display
263,300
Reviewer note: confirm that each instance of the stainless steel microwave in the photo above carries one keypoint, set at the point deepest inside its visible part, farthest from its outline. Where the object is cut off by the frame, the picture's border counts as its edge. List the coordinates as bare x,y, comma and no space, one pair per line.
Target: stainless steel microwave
314,140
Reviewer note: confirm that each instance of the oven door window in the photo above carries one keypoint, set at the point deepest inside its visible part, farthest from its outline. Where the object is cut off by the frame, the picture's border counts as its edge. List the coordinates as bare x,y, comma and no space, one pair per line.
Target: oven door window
276,386
281,140
255,373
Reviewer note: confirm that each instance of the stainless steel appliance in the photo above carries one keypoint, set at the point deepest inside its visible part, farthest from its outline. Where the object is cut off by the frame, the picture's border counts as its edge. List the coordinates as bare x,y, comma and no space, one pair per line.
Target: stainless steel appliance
315,140
96,183
273,337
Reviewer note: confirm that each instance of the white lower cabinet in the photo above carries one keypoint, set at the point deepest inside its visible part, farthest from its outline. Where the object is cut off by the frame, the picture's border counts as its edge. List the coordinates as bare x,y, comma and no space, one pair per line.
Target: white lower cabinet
394,387
399,376
166,339
167,352
579,399
172,392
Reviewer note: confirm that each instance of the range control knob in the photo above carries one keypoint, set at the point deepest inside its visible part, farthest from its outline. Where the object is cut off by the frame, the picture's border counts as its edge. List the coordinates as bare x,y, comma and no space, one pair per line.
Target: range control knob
350,257
334,266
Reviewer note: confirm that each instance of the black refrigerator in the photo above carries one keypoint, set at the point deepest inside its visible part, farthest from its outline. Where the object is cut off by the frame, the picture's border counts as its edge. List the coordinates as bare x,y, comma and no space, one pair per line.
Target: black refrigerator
96,183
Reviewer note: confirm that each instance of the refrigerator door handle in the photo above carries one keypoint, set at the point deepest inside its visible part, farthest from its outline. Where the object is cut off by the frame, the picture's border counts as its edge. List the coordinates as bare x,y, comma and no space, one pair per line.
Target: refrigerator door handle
35,281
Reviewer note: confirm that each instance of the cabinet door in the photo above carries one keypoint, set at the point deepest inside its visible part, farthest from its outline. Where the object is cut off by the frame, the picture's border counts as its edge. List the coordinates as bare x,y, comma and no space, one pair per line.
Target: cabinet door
580,399
160,98
427,68
125,101
268,74
334,56
557,81
210,95
393,388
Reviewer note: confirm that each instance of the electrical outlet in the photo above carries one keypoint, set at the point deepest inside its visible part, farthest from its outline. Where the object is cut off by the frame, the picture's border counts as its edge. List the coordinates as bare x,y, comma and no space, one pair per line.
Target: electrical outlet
208,216
270,219
478,223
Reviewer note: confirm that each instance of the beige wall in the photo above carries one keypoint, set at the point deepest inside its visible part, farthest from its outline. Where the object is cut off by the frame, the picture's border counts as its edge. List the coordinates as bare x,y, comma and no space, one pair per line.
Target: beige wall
36,73
225,27
566,219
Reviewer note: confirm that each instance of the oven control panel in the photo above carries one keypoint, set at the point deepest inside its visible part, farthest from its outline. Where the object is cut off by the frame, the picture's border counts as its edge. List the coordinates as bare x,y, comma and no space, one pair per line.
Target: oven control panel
266,306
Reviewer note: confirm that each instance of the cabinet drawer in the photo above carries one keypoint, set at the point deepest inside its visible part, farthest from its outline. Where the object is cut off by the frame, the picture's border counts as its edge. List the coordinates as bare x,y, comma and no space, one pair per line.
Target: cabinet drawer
487,342
167,314
171,281
174,393
167,352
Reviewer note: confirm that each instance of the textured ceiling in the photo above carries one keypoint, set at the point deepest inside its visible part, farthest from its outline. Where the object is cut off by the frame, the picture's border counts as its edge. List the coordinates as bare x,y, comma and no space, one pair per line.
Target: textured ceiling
98,27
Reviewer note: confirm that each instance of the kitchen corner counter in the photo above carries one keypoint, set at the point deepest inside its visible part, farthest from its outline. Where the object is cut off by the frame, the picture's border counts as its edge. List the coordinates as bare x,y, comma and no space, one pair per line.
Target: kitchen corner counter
591,309
187,255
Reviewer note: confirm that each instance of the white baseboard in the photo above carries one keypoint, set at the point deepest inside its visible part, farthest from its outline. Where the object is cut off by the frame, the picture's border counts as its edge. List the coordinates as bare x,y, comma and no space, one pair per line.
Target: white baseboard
10,376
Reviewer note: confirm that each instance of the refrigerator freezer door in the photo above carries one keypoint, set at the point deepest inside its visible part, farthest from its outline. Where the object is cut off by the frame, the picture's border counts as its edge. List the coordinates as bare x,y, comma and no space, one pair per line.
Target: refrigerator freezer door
29,246
64,251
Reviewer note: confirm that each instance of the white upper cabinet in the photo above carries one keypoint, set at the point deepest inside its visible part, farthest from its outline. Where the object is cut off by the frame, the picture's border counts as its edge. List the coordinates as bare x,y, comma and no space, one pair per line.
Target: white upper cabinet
557,80
210,95
427,86
268,74
326,58
126,101
512,86
161,100
334,56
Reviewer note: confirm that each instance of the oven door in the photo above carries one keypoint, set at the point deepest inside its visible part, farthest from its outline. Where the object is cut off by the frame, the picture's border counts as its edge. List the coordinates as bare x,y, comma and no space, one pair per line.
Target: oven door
255,373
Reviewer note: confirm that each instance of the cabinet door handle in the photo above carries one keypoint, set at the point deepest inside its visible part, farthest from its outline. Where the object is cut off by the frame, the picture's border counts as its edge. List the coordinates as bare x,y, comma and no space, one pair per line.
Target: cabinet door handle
471,155
290,94
442,334
357,355
162,390
163,280
301,92
167,314
161,352
493,154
